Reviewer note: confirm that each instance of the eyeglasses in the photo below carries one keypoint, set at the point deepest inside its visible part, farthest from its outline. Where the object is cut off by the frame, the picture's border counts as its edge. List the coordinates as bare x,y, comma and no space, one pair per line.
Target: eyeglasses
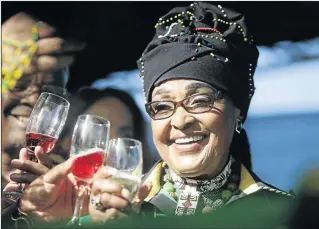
23,90
194,104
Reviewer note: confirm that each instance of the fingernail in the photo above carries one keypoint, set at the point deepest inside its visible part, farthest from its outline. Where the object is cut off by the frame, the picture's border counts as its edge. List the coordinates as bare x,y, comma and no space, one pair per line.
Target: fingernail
149,185
16,163
39,148
15,177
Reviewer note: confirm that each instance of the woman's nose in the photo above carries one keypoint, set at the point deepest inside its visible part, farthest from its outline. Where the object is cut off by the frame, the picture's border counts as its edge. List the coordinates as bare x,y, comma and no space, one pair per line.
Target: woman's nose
182,119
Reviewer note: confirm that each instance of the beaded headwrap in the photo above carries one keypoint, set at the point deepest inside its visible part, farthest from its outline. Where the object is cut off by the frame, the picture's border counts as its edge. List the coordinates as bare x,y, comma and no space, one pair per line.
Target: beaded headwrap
206,43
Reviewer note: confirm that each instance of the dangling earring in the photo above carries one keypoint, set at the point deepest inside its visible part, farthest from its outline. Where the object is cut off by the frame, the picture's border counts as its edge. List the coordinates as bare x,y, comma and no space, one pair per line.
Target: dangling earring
239,125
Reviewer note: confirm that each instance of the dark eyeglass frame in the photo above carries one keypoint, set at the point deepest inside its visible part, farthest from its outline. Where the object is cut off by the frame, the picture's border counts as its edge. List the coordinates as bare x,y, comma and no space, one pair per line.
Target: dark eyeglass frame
217,95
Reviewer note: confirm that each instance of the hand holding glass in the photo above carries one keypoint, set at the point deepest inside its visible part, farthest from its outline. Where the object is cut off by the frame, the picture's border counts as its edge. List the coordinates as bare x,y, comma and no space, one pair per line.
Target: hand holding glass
46,122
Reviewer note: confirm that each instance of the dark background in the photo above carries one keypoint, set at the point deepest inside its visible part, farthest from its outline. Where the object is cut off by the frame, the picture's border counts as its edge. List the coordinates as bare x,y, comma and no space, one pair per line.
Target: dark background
118,32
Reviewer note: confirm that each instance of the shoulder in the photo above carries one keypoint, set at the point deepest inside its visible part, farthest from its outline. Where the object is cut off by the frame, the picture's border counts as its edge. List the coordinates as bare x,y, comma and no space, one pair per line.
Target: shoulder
275,194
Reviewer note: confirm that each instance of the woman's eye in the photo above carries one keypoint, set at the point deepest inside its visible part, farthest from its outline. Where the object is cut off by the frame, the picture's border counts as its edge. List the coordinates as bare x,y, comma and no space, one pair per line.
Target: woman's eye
162,107
200,99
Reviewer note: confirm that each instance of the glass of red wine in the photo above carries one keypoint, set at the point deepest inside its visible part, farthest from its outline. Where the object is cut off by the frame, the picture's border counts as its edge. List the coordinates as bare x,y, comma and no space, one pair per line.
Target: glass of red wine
89,143
46,123
125,154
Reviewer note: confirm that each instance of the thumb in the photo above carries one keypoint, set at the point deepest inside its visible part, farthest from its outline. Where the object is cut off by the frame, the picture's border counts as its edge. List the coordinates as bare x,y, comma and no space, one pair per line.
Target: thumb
43,157
23,154
145,189
59,172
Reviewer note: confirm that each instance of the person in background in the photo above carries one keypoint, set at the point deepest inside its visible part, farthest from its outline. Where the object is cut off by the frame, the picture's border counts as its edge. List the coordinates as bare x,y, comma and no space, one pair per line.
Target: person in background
34,60
115,105
44,73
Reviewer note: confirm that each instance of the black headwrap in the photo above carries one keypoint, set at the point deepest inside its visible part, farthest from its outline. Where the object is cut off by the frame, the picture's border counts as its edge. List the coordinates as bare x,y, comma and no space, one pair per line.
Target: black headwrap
206,43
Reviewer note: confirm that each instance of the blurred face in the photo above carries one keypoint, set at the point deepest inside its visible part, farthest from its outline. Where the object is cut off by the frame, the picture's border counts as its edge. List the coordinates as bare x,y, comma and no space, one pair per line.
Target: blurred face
17,106
113,110
117,113
193,145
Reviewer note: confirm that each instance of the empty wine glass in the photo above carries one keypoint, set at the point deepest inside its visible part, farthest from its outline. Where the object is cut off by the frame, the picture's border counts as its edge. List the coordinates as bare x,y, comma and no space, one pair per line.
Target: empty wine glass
125,154
89,143
46,123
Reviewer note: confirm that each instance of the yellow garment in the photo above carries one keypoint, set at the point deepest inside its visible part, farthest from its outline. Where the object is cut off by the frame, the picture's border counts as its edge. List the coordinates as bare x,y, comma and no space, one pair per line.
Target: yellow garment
247,183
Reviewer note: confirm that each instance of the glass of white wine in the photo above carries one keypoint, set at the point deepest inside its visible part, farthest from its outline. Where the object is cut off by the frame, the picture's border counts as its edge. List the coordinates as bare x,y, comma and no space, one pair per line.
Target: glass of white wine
125,154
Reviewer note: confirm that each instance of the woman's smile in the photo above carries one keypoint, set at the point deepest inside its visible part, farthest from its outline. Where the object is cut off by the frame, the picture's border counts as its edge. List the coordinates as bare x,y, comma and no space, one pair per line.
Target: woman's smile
189,144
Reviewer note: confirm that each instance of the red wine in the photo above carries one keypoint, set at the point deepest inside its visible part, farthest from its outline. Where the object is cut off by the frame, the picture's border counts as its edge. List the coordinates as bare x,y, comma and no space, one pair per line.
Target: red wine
36,139
86,165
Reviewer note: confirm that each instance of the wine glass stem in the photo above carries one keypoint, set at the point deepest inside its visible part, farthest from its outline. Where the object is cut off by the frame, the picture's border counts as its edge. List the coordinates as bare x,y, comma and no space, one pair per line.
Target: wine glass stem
32,156
78,207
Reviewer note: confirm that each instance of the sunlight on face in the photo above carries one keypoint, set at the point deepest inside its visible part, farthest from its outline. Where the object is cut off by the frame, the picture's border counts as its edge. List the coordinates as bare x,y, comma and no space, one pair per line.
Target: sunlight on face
193,144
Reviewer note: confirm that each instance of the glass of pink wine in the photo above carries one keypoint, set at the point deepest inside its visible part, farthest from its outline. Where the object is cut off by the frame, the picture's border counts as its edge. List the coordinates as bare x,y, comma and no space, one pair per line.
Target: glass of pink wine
125,154
89,143
46,122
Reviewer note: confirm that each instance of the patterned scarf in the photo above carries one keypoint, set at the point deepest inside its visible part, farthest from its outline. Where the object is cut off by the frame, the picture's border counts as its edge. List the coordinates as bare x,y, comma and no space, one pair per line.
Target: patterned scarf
203,195
173,195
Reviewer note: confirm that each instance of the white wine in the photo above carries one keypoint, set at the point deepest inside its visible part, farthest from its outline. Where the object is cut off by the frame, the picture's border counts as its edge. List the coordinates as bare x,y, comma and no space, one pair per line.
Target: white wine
131,183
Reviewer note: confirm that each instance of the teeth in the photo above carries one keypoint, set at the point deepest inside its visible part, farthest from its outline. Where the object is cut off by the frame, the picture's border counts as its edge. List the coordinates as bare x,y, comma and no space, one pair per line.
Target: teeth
189,139
23,119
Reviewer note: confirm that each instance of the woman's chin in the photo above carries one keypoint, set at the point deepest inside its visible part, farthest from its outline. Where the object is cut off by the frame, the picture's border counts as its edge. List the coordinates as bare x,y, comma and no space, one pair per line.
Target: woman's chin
187,166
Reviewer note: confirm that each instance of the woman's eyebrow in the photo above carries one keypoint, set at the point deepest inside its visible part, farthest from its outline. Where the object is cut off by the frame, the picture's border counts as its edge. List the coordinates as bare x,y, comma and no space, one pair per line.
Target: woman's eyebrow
195,86
162,91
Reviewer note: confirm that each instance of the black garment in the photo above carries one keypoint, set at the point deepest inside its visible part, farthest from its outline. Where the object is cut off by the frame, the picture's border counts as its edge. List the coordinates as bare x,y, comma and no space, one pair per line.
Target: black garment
202,42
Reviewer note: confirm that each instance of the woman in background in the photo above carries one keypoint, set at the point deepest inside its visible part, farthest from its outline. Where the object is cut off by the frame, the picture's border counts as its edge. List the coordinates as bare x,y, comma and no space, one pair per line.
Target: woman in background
115,105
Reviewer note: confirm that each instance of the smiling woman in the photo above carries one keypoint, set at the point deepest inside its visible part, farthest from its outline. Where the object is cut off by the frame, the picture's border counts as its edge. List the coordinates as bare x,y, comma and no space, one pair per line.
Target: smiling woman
193,145
197,77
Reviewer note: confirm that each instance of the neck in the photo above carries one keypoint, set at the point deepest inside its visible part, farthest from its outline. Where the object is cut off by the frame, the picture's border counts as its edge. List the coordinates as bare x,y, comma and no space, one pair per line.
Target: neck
216,172
209,176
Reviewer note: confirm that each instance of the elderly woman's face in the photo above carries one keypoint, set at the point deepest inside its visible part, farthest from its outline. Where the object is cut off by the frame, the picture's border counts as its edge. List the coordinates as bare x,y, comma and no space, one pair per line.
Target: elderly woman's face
193,144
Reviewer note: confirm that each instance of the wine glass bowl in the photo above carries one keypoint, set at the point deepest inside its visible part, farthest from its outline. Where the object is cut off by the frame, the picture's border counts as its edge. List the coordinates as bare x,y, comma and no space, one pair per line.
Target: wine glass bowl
89,142
46,122
125,154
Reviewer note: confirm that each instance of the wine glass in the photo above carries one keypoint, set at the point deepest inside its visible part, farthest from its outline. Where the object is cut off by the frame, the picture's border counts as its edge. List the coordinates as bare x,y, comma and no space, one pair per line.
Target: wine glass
46,123
125,154
89,143
62,75
60,91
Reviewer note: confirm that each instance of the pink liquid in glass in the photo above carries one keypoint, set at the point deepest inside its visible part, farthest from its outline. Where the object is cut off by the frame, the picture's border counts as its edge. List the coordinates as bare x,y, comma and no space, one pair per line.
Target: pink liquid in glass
86,165
37,139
